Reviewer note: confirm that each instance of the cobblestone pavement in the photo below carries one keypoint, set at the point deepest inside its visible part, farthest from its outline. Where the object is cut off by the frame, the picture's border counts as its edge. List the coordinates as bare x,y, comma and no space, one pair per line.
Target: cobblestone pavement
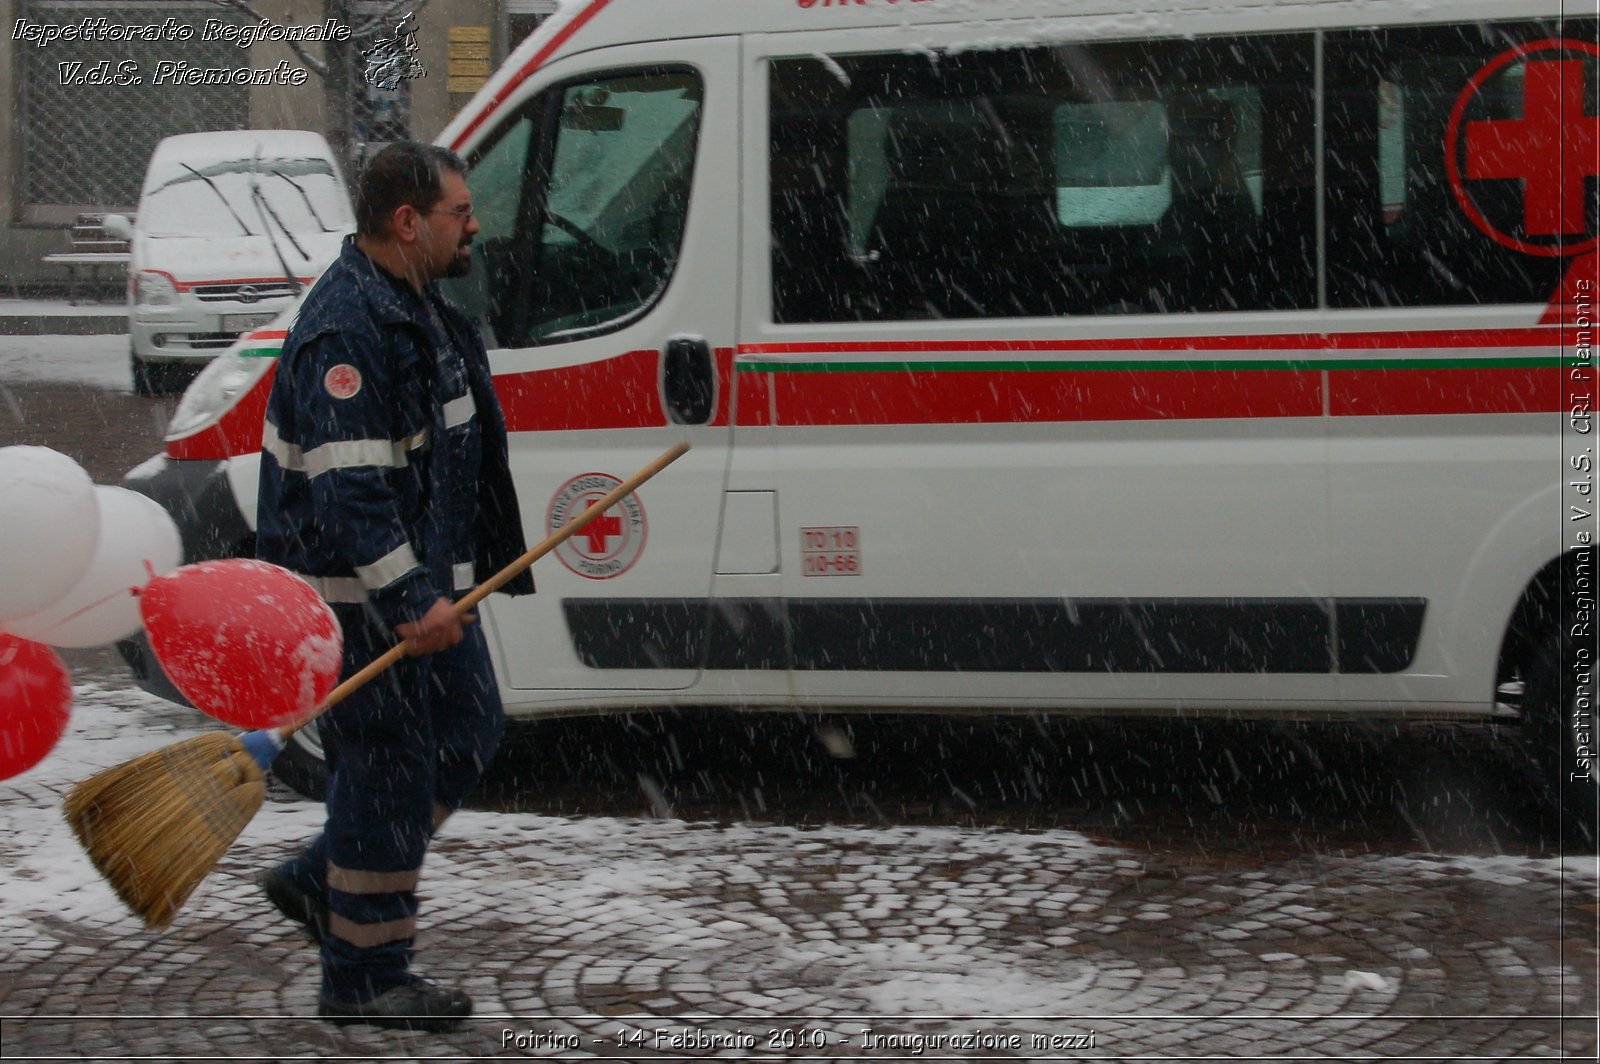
660,939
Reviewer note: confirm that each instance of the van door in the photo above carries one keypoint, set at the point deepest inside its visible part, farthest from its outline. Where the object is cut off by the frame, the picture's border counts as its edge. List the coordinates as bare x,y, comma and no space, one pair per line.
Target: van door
605,284
1029,363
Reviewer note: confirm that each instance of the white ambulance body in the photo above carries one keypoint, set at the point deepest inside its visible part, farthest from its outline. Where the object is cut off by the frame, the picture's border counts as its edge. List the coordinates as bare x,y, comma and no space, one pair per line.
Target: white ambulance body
1108,356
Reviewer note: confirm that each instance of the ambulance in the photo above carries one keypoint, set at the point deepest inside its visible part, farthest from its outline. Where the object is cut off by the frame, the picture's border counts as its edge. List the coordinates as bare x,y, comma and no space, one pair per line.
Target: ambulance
1113,357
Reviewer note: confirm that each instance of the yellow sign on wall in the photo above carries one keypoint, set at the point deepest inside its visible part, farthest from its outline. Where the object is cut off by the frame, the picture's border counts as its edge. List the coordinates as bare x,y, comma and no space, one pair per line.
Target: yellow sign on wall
468,53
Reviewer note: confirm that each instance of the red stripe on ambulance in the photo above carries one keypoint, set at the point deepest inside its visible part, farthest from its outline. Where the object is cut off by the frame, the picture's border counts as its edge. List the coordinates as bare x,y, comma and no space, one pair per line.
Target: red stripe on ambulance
896,397
624,392
618,393
1421,390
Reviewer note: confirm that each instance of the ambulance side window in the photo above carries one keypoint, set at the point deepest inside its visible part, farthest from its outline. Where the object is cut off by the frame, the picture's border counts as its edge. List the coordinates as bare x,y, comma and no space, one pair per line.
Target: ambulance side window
1399,228
582,198
1102,179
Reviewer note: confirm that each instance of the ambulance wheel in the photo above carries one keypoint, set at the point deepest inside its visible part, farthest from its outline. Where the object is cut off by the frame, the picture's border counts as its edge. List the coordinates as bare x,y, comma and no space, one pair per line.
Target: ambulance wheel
301,766
1558,709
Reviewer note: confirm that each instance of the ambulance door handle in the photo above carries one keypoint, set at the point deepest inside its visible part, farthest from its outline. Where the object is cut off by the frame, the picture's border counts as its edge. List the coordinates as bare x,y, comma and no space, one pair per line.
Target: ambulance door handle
688,380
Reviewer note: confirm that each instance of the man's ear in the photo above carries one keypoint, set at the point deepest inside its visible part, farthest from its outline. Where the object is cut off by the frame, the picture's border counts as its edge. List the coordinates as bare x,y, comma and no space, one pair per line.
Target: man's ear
405,222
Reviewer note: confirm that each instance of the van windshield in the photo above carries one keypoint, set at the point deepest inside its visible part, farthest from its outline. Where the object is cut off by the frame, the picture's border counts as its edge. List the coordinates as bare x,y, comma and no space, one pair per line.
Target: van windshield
221,199
582,199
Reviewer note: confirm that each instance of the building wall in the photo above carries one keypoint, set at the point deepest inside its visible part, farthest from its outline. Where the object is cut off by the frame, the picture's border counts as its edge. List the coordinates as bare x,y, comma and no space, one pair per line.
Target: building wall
288,107
433,105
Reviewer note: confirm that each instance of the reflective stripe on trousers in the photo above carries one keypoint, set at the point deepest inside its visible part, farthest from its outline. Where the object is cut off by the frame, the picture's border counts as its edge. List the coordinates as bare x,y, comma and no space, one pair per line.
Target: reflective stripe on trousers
403,752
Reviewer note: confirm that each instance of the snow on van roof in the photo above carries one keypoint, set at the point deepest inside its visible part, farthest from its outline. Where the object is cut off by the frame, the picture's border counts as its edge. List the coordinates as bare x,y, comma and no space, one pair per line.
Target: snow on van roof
221,145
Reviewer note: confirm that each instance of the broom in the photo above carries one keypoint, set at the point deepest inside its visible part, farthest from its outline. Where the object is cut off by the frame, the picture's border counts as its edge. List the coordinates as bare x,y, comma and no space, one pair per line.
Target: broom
155,826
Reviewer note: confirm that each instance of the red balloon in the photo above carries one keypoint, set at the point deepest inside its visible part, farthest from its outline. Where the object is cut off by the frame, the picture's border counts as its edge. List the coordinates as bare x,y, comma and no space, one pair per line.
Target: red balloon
249,643
35,699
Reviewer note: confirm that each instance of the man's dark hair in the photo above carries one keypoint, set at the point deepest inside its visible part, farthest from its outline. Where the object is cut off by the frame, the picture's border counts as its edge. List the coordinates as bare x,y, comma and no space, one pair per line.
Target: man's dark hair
405,172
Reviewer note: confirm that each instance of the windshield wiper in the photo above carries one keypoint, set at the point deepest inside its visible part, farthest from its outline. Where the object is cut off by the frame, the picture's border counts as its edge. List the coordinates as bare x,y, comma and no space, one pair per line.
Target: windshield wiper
212,185
264,208
326,228
263,204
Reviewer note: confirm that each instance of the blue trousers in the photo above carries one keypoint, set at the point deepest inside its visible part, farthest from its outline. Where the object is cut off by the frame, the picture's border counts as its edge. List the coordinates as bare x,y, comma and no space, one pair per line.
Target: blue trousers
404,752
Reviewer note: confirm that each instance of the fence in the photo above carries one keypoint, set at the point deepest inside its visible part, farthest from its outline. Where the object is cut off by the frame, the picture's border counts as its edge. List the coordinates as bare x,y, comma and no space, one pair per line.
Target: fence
85,146
87,129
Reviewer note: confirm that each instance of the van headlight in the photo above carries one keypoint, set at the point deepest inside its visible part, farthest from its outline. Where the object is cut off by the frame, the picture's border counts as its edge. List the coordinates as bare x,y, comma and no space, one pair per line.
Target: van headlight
213,392
152,288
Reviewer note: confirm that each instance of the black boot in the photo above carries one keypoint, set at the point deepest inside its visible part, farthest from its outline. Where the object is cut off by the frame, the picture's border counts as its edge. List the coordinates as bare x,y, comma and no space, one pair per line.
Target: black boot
304,906
419,1005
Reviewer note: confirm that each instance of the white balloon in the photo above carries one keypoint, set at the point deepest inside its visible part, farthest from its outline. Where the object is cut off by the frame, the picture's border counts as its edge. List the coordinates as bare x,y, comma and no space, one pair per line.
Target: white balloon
49,525
137,541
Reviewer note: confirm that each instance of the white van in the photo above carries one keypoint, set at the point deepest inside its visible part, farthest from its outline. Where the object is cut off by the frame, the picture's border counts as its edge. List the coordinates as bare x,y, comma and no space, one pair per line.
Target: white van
1124,356
231,226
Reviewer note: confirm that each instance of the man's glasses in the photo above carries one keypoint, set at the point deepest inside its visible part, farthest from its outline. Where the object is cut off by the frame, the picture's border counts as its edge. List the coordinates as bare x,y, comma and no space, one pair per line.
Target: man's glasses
461,213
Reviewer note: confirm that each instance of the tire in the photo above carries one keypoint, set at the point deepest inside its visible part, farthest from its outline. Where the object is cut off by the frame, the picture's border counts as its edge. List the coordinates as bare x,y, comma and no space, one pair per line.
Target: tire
145,377
1559,720
301,766
151,379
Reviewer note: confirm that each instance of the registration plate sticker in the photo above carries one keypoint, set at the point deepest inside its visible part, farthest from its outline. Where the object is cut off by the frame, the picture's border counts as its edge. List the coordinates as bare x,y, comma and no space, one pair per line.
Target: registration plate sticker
243,322
830,550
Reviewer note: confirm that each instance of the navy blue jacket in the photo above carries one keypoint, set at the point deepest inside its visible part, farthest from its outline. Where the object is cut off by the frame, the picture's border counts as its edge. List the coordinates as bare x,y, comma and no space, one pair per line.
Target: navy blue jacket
370,419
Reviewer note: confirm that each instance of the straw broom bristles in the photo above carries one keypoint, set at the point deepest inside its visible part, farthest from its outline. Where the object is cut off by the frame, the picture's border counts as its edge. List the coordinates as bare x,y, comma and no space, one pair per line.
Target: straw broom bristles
156,825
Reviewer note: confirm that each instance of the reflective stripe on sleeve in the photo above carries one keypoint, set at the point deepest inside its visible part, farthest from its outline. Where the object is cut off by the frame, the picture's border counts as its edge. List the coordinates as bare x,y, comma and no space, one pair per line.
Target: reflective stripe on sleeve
459,411
389,568
352,454
286,455
461,576
341,589
341,454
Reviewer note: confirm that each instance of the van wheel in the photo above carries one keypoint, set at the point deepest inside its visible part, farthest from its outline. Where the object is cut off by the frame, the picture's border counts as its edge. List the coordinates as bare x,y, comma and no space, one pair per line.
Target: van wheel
145,377
1559,726
301,766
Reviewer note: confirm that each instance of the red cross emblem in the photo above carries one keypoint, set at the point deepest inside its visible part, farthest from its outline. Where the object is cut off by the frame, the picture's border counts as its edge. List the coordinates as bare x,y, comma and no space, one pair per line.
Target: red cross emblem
342,381
609,545
1553,149
602,529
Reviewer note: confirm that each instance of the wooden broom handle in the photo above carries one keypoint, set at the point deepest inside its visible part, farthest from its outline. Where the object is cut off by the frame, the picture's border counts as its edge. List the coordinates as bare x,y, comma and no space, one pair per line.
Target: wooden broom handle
498,580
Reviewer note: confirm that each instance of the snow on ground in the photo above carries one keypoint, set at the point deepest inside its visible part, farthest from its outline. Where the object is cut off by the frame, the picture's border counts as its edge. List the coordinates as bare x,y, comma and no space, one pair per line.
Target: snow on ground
581,923
101,361
55,308
614,873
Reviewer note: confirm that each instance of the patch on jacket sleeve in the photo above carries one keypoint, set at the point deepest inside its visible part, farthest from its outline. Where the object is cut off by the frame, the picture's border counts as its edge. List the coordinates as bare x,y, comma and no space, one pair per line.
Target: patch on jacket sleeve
342,381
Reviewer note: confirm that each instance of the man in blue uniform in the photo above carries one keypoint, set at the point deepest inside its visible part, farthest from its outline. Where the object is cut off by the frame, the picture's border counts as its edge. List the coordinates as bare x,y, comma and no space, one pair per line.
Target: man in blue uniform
385,483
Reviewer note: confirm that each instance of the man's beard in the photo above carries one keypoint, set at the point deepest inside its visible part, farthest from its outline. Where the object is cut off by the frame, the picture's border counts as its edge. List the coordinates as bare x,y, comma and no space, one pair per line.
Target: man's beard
460,263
